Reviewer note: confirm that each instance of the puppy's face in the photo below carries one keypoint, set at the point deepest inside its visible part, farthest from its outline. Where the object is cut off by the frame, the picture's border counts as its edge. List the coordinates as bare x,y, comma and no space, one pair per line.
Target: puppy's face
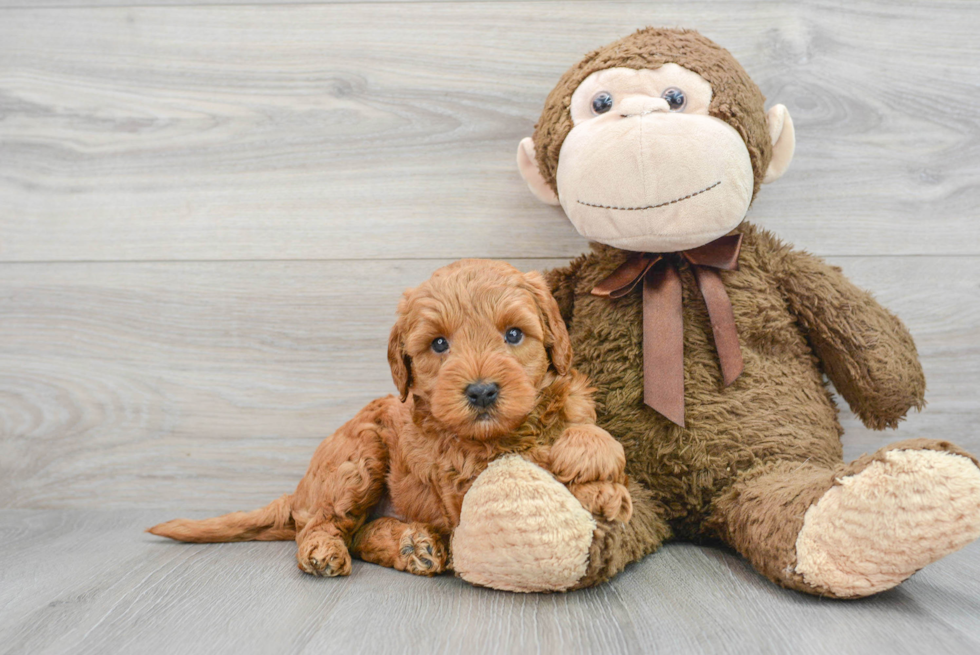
475,343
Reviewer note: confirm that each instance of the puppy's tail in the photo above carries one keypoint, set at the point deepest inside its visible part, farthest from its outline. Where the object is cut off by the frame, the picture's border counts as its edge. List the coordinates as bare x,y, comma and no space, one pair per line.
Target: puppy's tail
273,522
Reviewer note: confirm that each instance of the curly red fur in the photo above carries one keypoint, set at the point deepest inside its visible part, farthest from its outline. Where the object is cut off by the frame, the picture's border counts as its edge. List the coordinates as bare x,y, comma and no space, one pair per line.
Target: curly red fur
423,452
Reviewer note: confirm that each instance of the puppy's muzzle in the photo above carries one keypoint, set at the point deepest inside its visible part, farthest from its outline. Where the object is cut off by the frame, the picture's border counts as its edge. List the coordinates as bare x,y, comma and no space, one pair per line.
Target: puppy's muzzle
482,395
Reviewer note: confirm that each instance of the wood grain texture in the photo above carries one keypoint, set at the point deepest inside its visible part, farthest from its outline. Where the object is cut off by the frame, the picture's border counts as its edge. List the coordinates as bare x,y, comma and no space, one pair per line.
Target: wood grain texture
208,385
60,593
92,4
388,130
207,215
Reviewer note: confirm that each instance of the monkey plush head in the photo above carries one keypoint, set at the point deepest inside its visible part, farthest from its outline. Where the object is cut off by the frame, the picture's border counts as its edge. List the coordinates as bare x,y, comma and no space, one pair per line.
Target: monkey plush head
657,142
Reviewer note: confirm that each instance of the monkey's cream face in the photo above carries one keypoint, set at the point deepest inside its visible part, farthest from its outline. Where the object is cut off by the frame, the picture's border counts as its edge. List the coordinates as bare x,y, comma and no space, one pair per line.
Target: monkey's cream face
645,167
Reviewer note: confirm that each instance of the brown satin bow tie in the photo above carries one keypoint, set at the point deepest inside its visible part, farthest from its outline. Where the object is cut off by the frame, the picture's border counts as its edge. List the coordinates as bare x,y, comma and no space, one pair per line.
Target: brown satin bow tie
663,317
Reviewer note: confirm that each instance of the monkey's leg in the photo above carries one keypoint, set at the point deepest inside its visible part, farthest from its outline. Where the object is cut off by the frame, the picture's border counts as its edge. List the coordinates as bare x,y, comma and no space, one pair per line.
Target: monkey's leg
412,547
344,482
520,529
616,544
856,529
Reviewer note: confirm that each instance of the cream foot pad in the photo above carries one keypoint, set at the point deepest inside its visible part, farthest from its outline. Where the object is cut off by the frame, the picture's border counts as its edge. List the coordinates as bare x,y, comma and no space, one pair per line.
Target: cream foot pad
521,530
877,527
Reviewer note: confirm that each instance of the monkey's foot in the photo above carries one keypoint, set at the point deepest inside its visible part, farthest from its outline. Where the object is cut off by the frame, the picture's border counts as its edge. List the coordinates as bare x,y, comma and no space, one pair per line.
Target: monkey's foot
521,530
421,551
323,554
874,529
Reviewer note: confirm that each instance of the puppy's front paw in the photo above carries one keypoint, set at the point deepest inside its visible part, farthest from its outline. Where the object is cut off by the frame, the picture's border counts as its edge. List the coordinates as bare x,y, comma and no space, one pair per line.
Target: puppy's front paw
323,554
585,453
421,551
610,500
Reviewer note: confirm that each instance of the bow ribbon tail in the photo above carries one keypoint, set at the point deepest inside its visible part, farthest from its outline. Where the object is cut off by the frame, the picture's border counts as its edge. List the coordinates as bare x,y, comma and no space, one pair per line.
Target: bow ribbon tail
722,322
663,317
663,343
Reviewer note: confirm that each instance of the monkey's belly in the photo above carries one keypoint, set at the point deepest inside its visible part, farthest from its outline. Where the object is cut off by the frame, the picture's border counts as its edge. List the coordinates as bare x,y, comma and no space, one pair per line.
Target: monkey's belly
778,409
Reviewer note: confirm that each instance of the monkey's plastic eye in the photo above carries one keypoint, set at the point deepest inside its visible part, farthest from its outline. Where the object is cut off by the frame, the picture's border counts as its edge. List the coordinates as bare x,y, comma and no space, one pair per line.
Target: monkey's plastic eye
513,336
602,102
675,98
440,344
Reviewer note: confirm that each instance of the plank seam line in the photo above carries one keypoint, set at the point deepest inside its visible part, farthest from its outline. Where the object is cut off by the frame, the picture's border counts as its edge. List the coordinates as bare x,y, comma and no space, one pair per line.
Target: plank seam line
209,5
436,259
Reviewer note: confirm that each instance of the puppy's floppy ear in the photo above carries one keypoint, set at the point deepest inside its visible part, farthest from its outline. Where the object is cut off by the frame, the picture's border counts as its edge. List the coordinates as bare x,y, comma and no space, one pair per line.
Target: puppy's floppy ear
398,359
556,334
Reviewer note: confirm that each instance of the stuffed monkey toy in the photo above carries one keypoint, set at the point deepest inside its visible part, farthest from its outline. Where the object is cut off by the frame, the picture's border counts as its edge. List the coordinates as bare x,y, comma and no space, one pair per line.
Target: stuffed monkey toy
708,341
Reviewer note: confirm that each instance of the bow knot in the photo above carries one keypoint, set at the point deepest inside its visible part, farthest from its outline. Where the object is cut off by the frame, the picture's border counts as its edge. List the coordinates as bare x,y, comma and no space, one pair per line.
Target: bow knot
663,318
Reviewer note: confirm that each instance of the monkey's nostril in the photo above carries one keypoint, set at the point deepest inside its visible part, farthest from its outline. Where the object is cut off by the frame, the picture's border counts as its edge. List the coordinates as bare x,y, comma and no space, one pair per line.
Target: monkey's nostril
482,394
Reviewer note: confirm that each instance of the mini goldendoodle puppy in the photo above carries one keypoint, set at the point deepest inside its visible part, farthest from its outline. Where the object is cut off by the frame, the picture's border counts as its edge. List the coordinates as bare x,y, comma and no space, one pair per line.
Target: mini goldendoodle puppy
482,361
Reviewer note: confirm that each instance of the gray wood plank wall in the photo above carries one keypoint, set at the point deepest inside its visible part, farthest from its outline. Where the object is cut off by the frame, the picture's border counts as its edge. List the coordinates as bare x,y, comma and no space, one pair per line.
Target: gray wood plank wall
208,212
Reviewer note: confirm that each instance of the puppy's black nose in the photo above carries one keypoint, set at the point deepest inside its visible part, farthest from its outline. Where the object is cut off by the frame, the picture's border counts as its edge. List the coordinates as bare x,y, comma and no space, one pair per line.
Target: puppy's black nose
482,394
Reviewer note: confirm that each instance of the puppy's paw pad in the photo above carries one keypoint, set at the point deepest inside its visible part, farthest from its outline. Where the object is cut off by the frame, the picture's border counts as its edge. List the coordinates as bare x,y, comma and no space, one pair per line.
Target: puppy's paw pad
324,555
609,500
421,551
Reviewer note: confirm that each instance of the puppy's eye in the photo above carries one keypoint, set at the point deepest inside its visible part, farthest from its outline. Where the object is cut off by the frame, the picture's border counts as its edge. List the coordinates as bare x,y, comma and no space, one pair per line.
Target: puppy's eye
602,102
675,98
513,336
440,344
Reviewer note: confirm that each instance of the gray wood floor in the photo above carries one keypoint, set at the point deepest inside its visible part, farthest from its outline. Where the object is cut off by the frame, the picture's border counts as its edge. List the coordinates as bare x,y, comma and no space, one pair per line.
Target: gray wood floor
86,581
207,215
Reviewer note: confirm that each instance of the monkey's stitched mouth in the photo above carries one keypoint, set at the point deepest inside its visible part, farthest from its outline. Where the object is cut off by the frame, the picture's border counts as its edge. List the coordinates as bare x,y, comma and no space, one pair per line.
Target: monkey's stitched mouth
663,204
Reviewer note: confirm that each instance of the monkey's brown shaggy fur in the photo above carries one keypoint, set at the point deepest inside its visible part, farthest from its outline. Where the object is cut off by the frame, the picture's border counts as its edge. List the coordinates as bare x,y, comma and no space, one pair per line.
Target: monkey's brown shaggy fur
770,434
754,456
425,450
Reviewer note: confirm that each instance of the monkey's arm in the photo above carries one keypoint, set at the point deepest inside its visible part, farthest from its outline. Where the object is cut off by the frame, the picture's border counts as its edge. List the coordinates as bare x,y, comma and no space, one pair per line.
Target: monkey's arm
866,351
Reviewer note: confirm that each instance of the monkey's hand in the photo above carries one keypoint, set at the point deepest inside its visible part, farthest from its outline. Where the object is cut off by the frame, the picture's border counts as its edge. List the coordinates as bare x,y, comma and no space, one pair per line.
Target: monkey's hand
593,465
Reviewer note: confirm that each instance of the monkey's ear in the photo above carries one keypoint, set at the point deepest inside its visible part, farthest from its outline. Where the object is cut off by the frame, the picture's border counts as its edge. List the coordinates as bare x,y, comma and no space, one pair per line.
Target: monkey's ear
527,164
557,342
398,359
783,138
